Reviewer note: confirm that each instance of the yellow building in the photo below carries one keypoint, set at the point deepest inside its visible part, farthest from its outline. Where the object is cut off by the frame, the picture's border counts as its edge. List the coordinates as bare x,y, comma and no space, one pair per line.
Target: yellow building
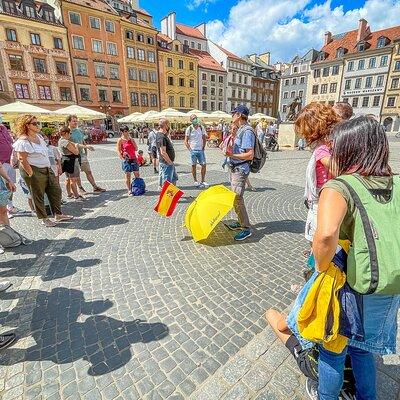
178,75
391,106
35,55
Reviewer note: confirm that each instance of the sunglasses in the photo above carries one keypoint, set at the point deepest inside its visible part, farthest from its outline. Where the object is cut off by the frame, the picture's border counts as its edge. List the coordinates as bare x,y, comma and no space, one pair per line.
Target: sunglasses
35,123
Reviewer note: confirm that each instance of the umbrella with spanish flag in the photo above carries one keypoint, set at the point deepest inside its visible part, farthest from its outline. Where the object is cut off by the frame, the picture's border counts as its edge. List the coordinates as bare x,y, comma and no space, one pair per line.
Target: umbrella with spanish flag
169,197
207,210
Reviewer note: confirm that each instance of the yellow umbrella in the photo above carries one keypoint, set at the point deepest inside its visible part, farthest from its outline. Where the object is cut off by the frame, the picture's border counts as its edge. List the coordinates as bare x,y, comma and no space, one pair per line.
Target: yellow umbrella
207,210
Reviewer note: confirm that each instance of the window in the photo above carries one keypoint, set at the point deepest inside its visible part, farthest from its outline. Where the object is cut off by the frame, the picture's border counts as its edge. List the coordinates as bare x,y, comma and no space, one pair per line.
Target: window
381,42
204,76
301,94
85,94
191,66
77,42
180,64
361,64
198,46
335,70
294,81
141,55
220,106
384,61
284,108
324,88
212,106
129,35
35,39
368,82
110,26
295,70
142,75
140,37
181,82
285,95
132,73
397,65
112,49
11,35
361,46
220,92
240,78
340,52
379,81
169,62
30,11
287,82
171,81
317,73
151,57
153,100
377,100
333,87
221,79
315,89
204,90
130,52
347,84
204,105
233,93
292,94
395,83
97,46
372,62
357,84
94,22
150,40
391,101
212,91
61,68
181,101
302,80
350,66
102,95
58,43
192,45
65,94
325,71
134,99
21,91
152,76
355,102
81,68
74,18
114,72
48,15
365,101
40,65
44,92
191,83
116,96
212,77
99,70
9,7
171,101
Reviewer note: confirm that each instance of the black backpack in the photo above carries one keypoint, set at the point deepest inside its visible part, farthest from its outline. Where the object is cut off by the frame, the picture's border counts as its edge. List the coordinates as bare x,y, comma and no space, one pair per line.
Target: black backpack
260,156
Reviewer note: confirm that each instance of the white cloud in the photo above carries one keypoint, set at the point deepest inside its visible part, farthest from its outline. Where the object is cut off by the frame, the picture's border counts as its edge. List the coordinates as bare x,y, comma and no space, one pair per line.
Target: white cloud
290,27
193,4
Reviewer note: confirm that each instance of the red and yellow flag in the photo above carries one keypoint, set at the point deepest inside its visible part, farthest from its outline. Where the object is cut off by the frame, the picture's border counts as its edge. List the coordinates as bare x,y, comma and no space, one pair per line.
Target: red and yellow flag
168,199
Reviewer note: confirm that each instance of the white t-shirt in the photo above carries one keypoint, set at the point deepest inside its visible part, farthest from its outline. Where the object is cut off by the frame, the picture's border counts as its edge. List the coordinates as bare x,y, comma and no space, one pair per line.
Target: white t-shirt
37,153
195,136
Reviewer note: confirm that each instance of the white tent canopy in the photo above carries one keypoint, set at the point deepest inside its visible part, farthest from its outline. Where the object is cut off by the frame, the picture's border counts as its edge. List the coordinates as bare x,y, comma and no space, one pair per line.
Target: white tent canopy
218,115
12,111
129,118
198,113
146,117
171,114
81,112
259,116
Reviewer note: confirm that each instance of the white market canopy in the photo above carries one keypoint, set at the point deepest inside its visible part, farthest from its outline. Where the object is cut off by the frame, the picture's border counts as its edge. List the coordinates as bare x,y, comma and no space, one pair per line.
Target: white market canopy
147,116
259,116
82,113
129,118
12,111
198,113
218,115
171,114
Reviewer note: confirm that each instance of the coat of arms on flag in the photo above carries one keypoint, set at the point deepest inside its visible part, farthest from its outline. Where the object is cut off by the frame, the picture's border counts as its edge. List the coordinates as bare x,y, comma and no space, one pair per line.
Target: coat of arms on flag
169,197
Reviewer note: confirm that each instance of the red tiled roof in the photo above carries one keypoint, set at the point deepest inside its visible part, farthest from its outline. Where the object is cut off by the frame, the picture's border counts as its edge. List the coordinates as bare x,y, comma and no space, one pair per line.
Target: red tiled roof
206,60
229,54
189,31
95,4
166,38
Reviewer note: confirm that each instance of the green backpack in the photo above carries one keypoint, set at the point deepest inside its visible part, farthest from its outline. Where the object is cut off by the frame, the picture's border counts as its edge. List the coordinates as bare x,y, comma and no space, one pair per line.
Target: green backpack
373,263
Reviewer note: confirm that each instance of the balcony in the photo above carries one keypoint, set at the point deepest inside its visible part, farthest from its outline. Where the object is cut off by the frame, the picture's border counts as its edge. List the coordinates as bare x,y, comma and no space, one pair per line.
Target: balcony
18,74
42,76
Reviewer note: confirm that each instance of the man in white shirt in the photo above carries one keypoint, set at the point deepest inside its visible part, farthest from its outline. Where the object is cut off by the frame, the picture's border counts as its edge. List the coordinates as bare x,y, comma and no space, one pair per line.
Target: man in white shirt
195,141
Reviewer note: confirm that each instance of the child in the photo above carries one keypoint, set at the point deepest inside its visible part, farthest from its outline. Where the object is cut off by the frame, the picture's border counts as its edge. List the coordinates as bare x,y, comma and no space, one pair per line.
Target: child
142,161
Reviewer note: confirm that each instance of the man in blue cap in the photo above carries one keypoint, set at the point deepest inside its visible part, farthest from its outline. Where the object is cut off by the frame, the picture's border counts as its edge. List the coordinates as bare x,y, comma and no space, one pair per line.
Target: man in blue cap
240,156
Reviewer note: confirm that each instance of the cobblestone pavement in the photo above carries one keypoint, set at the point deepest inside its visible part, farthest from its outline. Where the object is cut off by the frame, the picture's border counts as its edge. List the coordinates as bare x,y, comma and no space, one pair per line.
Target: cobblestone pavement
122,304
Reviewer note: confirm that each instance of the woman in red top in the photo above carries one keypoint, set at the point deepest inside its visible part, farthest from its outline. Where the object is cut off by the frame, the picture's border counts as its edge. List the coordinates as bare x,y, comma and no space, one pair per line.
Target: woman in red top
126,149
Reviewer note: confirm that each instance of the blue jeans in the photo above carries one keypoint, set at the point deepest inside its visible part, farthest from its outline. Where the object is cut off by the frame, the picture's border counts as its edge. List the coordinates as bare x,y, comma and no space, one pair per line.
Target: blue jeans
167,173
330,373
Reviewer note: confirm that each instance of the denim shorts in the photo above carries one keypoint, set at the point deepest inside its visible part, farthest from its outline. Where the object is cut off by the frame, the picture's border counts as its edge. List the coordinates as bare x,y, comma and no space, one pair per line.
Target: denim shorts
5,194
130,166
197,156
167,173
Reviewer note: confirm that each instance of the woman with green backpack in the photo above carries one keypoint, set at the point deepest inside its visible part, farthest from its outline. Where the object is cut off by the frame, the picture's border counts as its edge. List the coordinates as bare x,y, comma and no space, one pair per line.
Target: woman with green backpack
361,205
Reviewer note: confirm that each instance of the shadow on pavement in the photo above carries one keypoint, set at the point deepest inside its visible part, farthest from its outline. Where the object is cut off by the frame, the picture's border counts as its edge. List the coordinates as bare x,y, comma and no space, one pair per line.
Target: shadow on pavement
102,221
101,340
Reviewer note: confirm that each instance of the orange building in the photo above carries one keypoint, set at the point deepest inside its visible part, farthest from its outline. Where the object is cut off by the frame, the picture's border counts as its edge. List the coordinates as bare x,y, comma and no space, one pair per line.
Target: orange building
94,34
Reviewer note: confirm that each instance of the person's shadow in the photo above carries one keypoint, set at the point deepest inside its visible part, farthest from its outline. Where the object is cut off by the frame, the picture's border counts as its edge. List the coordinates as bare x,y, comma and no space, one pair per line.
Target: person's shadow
63,335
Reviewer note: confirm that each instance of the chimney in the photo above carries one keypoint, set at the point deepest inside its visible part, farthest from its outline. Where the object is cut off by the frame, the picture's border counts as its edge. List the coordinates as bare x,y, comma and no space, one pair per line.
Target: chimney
172,25
363,29
265,57
202,29
164,26
328,37
135,4
253,57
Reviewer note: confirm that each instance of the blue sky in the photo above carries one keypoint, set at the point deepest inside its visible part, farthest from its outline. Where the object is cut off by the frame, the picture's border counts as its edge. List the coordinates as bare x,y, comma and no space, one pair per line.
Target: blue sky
283,27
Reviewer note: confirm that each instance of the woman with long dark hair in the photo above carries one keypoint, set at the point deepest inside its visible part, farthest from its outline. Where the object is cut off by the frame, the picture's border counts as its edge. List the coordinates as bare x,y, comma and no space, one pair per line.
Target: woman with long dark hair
360,149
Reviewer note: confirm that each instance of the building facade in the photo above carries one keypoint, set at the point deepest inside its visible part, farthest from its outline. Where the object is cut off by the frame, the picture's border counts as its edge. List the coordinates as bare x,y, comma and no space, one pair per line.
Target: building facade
97,54
35,55
239,78
140,57
265,85
366,69
391,104
178,74
294,81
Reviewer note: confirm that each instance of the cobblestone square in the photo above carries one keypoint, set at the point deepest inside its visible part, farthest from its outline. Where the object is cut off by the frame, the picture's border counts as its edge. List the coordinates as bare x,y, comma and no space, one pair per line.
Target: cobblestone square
123,304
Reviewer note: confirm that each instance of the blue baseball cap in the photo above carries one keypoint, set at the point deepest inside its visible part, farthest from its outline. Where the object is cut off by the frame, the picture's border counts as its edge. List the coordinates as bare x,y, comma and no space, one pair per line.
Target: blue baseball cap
241,109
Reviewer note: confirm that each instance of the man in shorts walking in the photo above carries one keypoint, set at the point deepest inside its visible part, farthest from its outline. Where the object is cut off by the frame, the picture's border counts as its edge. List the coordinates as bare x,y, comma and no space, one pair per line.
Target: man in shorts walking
77,136
195,141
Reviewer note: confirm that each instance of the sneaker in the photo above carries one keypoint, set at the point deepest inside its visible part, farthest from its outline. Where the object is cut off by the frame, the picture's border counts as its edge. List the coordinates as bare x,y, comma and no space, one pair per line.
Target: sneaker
205,184
234,226
243,235
195,183
64,201
4,285
201,186
312,389
6,340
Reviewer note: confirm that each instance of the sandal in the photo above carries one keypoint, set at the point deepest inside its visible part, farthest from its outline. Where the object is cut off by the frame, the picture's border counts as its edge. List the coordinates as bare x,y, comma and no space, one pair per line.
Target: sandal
79,198
48,223
63,217
98,189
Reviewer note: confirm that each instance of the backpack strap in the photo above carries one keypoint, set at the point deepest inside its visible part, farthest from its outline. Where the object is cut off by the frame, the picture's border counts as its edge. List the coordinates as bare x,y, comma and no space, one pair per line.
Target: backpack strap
369,235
